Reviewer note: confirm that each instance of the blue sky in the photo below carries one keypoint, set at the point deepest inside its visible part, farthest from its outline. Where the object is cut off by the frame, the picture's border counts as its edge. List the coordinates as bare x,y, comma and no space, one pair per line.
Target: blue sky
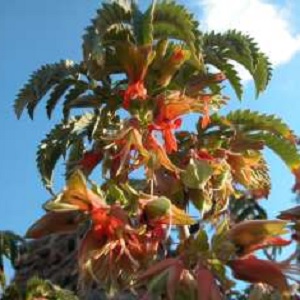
35,32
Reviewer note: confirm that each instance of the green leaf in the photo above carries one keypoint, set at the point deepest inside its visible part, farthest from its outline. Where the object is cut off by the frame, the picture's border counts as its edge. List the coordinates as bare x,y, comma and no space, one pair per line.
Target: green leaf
112,18
40,288
221,49
202,199
262,73
58,141
234,79
157,285
75,154
9,249
286,150
40,82
143,25
196,174
72,95
171,20
252,120
201,241
57,92
115,194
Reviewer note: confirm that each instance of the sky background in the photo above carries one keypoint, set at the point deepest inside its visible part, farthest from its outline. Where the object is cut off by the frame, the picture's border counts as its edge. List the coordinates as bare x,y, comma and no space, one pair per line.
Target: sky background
35,32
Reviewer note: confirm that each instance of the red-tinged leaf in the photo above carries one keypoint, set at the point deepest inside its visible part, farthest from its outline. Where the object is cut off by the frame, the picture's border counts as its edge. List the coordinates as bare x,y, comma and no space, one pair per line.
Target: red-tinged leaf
256,270
55,222
207,287
290,214
188,285
296,187
157,268
173,279
255,234
270,241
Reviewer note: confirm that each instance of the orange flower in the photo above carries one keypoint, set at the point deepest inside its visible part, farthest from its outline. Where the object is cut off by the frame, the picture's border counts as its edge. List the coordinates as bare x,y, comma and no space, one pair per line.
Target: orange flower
135,61
178,55
112,250
256,270
108,222
166,127
177,104
206,119
204,154
135,90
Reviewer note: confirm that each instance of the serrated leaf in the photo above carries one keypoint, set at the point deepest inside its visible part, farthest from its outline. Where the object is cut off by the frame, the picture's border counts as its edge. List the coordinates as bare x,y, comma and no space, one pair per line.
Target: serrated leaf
233,46
143,25
286,150
171,20
111,20
75,154
72,95
58,141
252,120
233,76
56,94
40,82
262,73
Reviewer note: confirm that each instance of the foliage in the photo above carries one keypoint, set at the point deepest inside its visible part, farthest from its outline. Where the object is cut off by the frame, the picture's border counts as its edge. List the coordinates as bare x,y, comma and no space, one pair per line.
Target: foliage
9,249
38,289
152,171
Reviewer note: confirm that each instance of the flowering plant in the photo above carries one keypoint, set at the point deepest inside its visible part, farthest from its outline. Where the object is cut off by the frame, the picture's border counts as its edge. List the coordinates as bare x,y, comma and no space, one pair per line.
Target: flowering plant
176,207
